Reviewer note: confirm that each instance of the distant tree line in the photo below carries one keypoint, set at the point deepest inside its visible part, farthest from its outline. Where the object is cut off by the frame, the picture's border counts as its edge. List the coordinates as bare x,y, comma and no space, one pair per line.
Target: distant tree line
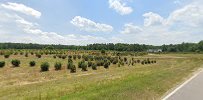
183,47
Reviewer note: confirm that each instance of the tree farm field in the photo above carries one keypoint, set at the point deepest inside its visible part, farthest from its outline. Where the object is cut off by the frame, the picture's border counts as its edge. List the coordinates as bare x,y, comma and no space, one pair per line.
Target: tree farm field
115,81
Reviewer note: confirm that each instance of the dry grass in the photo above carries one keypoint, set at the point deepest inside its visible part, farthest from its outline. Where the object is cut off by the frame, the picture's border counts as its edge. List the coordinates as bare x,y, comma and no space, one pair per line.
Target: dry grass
127,82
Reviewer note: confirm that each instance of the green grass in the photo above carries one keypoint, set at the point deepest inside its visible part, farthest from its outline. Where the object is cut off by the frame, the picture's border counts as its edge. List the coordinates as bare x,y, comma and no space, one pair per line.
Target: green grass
116,83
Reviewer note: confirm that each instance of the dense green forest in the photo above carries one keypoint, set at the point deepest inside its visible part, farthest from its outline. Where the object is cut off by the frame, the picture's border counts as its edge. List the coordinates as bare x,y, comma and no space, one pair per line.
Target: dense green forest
184,47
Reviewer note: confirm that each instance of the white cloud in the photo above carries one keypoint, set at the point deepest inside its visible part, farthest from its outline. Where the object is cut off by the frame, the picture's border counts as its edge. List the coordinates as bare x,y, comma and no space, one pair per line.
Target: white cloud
120,7
22,9
14,28
191,15
182,25
152,19
131,29
89,25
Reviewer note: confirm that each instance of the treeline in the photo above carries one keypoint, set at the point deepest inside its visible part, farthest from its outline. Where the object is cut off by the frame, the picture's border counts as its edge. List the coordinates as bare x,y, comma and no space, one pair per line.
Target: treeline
184,47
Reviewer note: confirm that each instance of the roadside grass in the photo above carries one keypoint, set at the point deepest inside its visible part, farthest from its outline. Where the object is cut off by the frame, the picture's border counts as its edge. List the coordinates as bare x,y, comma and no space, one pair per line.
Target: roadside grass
141,82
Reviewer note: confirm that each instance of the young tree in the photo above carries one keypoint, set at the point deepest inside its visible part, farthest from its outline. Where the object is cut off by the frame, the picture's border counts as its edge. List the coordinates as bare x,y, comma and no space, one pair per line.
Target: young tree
58,66
32,63
84,66
94,66
2,64
15,63
45,66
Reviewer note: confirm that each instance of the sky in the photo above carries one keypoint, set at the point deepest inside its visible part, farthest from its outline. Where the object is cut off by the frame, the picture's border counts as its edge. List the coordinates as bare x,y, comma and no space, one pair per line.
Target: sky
82,22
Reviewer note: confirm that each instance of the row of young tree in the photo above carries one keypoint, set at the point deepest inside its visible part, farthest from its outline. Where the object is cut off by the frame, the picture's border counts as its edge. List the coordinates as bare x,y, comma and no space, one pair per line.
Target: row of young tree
85,61
184,47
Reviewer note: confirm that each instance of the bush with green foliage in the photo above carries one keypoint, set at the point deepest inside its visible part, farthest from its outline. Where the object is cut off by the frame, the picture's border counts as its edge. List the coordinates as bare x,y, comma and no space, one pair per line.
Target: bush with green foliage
58,66
70,56
80,64
79,56
38,55
106,65
100,62
69,65
2,64
115,61
26,54
15,62
63,56
94,66
74,57
89,63
59,56
54,56
16,53
103,51
21,53
6,55
84,66
138,61
142,62
32,63
125,59
70,60
73,69
45,66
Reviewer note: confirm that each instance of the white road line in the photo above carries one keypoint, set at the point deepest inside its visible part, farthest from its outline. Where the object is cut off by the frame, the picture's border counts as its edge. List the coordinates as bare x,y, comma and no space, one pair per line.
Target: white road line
179,87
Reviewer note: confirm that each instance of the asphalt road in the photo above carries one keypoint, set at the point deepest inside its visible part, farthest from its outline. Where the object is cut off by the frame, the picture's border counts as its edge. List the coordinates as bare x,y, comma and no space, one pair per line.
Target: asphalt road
192,89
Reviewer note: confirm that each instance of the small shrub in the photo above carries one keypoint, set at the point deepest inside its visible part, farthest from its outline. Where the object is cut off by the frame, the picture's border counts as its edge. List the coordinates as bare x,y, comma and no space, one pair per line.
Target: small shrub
132,63
38,55
16,53
146,62
125,59
6,56
70,60
115,61
57,66
103,51
69,56
143,62
54,56
73,69
138,61
15,63
119,65
32,63
74,57
69,65
2,64
89,64
26,55
21,53
60,56
84,66
45,66
79,56
106,65
94,66
63,57
80,64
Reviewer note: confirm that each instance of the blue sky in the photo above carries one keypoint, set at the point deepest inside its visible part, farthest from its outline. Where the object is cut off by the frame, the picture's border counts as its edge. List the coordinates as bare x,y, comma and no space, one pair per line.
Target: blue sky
82,22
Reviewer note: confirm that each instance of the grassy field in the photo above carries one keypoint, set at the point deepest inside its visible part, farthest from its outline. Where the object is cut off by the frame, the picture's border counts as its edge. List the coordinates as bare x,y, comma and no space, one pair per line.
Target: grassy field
142,82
